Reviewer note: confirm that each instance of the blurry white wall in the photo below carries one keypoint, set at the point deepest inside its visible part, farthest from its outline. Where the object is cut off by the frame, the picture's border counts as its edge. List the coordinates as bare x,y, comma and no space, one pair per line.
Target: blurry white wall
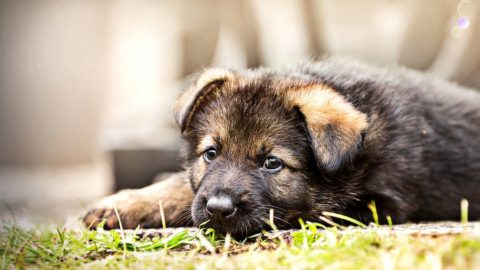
53,80
53,87
144,52
79,78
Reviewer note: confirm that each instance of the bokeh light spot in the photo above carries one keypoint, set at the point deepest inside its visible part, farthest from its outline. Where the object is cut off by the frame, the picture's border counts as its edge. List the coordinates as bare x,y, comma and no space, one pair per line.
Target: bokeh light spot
463,22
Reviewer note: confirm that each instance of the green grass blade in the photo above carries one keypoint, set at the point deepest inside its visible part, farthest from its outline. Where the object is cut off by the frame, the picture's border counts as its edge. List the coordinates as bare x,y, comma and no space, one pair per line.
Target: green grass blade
346,218
372,206
390,222
464,211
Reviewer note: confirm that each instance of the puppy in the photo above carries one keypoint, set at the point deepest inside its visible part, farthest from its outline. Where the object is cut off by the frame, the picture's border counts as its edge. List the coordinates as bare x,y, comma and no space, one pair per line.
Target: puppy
328,136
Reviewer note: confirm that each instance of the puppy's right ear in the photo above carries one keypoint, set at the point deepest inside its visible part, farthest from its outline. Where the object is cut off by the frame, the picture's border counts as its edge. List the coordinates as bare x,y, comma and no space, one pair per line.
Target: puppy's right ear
188,103
334,126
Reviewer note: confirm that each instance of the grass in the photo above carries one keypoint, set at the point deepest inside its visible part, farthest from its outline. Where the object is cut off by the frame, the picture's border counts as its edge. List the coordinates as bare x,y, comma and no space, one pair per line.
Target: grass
314,246
311,247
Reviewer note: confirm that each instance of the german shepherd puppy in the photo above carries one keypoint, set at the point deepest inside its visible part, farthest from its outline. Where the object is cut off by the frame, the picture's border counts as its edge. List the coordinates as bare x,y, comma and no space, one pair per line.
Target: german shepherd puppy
328,136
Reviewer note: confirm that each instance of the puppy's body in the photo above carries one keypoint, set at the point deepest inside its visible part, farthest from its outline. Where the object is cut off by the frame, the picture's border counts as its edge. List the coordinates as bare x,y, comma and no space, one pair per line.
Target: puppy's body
422,149
343,133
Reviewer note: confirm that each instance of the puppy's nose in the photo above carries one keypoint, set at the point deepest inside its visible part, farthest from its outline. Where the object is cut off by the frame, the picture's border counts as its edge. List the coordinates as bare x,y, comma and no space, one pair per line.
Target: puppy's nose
220,207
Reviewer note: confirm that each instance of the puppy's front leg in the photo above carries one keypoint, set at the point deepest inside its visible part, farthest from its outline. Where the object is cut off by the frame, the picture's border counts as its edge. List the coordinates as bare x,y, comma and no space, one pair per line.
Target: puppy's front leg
140,207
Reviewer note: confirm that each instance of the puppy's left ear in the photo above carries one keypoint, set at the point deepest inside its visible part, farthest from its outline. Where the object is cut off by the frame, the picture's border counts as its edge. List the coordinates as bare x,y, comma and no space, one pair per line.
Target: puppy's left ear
188,103
335,127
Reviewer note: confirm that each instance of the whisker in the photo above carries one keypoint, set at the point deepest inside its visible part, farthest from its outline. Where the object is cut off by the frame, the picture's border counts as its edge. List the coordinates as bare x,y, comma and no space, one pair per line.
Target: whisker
284,221
256,219
277,218
184,219
241,228
268,210
274,207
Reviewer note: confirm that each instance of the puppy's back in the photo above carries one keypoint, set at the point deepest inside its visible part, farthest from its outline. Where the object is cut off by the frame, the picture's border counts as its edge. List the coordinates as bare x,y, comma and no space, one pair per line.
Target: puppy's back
423,143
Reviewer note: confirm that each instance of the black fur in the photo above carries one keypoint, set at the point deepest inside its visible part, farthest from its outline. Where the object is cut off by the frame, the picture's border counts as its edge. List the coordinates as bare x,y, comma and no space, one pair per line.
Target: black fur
419,156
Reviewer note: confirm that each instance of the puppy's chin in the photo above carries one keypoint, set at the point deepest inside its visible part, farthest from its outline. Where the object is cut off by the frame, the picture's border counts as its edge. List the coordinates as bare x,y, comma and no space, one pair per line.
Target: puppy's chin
239,226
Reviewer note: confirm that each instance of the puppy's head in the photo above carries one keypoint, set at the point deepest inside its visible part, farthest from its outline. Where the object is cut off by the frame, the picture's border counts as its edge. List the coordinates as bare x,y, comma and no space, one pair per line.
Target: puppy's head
258,141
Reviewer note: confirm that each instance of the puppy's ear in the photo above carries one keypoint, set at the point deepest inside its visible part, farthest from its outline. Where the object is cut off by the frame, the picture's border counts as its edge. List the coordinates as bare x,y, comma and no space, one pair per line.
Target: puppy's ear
335,127
188,103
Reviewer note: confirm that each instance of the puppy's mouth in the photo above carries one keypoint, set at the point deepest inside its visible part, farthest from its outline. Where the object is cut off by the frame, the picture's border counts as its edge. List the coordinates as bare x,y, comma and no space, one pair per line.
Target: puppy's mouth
239,228
238,220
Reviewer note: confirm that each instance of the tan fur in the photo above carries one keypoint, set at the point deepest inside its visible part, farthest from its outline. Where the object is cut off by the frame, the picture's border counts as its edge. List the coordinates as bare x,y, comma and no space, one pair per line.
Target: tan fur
197,174
204,144
186,103
141,207
323,107
286,155
214,74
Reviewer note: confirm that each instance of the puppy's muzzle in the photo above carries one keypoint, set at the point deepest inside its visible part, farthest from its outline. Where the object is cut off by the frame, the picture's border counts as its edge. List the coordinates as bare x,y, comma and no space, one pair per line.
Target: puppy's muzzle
220,208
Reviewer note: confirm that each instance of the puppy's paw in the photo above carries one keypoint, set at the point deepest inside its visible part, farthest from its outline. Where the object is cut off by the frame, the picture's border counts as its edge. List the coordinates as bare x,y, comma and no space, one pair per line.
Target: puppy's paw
134,210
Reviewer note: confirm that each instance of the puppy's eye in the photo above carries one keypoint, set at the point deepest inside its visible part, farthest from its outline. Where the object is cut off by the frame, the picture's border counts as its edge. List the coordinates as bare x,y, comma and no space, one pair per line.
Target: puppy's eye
273,164
210,155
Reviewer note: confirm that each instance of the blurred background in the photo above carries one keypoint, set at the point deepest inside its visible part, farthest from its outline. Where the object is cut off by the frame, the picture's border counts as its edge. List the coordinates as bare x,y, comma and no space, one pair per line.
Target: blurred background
86,87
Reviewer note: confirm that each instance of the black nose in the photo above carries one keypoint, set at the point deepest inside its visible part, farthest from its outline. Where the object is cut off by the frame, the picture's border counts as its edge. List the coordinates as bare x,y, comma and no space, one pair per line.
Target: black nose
220,207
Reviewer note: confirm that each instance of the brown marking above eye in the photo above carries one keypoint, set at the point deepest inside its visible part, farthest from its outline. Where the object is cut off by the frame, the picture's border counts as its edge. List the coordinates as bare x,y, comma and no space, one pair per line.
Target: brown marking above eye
283,153
287,156
205,143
